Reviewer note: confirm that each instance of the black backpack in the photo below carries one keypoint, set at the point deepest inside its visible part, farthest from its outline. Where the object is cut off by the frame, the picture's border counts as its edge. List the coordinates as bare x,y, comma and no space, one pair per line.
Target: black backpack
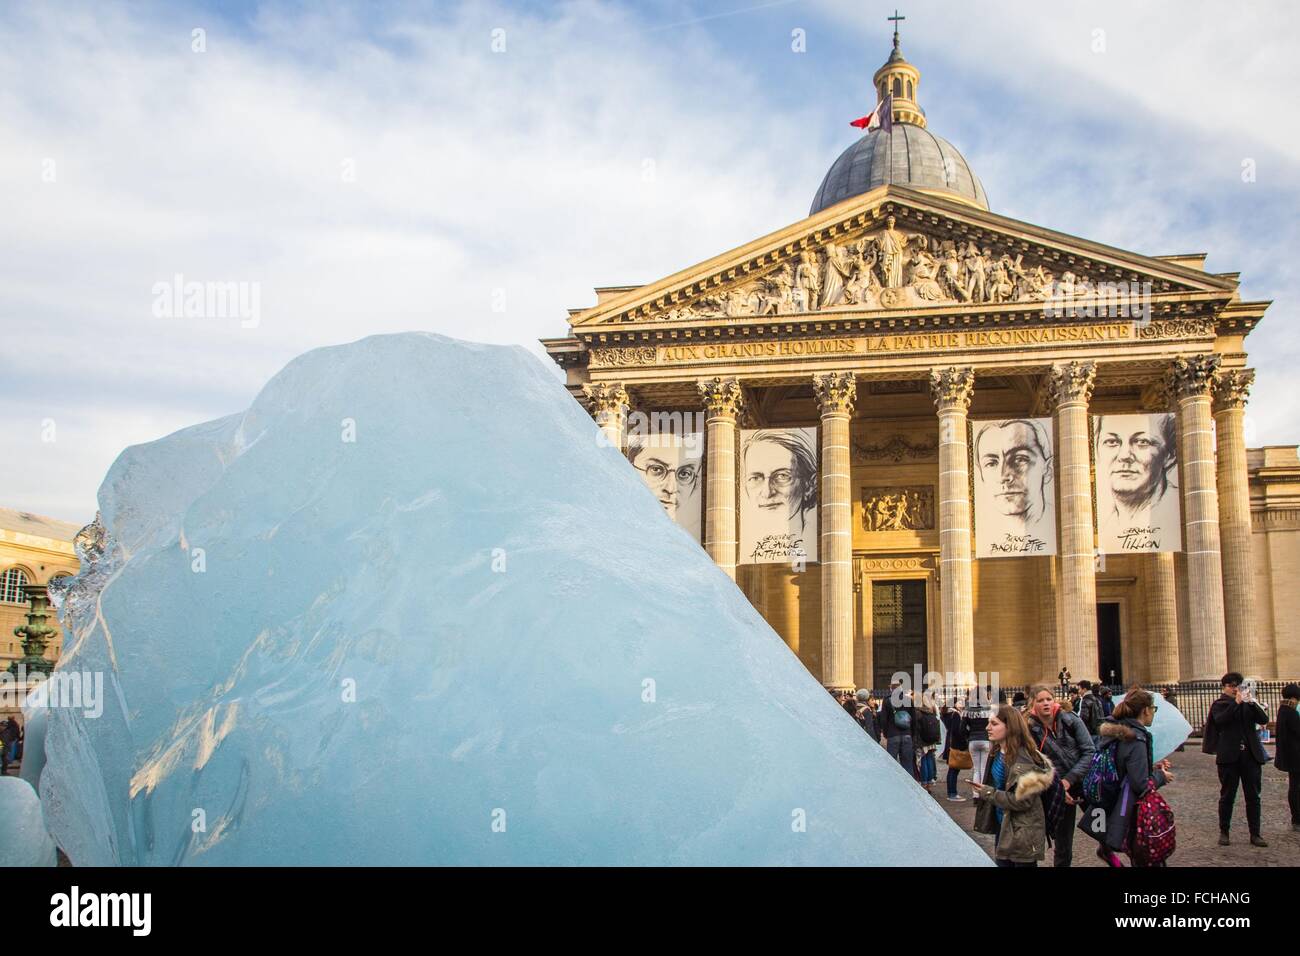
928,727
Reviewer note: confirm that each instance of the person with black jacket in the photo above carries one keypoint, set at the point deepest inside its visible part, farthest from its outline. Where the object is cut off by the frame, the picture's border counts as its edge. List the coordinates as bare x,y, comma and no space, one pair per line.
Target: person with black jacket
955,740
1129,728
898,720
1288,748
1232,734
1067,741
1090,711
867,714
974,726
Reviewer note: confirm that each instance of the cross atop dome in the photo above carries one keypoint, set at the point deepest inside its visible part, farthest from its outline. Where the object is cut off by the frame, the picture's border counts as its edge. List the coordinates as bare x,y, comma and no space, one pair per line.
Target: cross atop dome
896,18
900,78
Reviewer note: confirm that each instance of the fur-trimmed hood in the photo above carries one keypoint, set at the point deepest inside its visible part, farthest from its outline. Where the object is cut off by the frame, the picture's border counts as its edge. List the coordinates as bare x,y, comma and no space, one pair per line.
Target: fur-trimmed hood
1034,780
1122,730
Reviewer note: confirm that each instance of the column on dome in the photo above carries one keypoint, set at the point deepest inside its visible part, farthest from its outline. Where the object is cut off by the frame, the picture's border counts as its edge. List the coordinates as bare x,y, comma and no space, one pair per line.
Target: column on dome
1249,651
608,404
952,389
836,393
1071,389
722,402
1191,379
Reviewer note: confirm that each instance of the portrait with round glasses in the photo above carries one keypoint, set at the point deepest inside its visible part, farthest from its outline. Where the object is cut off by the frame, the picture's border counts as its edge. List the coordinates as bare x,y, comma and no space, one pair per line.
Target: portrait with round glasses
672,467
778,506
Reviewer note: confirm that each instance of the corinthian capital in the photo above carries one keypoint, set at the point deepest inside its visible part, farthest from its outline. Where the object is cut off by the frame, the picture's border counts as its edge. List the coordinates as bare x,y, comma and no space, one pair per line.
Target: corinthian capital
836,392
721,396
1071,382
952,387
606,398
1192,376
1232,388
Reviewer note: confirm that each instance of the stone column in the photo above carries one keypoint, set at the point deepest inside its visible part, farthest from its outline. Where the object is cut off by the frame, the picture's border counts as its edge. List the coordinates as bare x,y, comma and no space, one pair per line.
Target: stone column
608,404
1247,649
1162,617
1071,384
1191,379
952,389
836,392
722,401
1048,646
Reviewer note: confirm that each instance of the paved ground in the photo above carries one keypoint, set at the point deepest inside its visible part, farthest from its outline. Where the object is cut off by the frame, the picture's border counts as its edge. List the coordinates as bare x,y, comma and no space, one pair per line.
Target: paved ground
1194,797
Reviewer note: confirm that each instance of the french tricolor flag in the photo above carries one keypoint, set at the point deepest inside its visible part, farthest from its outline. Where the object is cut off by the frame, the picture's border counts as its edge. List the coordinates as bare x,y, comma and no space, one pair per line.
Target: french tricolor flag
882,117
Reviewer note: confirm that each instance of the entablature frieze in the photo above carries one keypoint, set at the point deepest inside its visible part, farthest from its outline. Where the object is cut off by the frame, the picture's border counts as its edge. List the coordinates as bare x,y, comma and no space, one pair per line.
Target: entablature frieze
1014,348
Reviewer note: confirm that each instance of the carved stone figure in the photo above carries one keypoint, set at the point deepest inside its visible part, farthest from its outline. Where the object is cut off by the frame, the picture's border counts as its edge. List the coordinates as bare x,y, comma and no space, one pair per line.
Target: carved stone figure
898,509
893,250
840,266
807,283
976,265
925,276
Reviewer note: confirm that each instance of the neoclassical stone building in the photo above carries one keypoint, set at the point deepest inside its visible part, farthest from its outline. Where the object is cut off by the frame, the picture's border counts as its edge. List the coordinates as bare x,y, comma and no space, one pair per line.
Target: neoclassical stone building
905,321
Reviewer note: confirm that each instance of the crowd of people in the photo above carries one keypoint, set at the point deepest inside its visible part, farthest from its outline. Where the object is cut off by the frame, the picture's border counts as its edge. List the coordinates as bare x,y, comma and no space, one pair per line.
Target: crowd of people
1043,767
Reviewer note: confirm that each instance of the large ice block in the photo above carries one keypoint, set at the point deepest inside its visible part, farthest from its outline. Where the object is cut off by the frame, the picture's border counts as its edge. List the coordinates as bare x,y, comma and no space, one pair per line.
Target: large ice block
23,838
409,609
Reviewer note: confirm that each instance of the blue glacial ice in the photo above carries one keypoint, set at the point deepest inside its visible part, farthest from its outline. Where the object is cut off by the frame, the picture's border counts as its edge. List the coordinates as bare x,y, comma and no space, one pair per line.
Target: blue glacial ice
23,840
1169,729
408,609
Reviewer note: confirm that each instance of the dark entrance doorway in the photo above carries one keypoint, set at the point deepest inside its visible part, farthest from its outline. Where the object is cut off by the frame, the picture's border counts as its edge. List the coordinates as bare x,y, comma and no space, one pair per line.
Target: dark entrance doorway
898,629
1108,656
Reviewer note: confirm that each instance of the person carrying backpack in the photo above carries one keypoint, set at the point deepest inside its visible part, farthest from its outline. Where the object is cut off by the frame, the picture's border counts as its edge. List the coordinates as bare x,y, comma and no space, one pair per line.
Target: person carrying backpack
897,718
1064,739
1091,710
926,742
1124,813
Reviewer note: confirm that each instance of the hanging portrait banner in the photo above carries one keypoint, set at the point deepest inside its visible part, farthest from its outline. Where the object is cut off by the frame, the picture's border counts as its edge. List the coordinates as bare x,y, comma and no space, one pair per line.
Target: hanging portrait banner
672,467
1137,483
778,495
1015,487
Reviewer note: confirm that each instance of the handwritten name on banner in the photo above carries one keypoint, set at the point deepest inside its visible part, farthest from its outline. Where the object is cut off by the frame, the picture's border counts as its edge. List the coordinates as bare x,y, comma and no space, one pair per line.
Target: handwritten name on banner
865,345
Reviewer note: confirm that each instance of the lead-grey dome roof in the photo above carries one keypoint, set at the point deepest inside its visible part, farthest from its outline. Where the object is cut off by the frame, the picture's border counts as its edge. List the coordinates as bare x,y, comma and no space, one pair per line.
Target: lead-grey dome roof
918,162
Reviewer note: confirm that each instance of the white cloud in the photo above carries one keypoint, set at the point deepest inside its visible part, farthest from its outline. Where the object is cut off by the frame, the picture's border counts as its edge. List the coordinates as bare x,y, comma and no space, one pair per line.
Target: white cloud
594,151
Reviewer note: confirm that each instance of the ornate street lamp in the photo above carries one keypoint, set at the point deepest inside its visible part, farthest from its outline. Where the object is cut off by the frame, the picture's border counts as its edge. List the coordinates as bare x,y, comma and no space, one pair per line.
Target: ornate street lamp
35,634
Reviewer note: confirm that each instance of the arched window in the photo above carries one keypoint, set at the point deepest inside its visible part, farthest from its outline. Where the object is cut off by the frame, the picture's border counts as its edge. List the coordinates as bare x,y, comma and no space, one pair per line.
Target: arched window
898,87
909,89
11,586
883,88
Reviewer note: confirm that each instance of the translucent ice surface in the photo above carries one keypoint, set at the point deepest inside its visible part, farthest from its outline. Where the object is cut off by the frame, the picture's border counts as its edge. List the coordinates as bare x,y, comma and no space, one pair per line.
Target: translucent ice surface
23,839
1169,729
407,609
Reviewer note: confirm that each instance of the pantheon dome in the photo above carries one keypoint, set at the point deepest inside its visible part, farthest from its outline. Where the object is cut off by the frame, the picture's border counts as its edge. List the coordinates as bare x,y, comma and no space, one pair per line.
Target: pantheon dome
911,156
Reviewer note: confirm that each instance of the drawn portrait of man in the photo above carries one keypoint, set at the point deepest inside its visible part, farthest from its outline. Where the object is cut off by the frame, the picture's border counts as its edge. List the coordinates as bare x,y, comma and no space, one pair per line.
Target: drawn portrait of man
1015,498
778,507
672,468
1137,483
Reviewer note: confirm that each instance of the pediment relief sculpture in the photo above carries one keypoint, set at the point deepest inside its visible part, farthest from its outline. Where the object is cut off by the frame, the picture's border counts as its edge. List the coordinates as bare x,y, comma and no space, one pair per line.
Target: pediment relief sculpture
888,268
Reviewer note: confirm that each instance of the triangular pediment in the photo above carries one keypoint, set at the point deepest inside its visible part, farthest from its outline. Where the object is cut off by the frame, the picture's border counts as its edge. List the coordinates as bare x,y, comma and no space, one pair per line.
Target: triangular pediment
937,256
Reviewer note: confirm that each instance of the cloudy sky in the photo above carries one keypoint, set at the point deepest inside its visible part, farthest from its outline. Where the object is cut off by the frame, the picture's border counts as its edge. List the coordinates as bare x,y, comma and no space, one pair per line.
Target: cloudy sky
475,169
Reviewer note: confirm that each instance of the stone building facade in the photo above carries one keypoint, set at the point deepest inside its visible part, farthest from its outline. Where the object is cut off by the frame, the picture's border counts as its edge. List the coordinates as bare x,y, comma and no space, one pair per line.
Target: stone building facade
898,312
